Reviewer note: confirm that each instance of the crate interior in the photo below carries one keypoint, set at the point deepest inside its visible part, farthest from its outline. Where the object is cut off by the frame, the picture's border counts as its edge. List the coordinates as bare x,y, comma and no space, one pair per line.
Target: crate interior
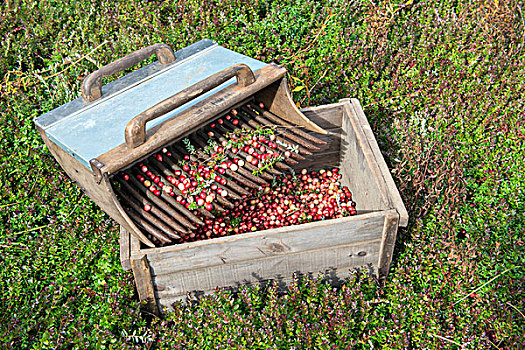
346,151
343,151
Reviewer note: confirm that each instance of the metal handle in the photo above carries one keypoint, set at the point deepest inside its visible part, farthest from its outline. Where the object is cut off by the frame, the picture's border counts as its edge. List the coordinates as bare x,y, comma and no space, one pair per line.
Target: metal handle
136,129
92,84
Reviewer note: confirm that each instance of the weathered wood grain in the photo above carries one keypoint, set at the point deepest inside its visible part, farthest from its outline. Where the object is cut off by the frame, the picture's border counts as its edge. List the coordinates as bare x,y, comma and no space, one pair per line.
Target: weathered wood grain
335,277
135,246
274,267
125,249
327,116
280,241
358,166
388,243
144,283
393,193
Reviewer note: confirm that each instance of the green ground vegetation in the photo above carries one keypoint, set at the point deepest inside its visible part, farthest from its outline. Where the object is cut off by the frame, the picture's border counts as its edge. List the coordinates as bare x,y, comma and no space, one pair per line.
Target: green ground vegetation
442,83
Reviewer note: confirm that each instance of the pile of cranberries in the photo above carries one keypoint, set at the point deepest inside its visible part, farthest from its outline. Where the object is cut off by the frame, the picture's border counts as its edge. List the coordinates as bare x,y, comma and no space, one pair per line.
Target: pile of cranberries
291,200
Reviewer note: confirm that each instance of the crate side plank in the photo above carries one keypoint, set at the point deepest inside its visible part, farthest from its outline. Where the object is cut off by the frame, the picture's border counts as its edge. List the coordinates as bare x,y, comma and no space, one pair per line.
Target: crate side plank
364,147
335,276
362,220
275,267
326,116
392,190
134,246
220,240
388,243
356,171
144,284
125,249
260,246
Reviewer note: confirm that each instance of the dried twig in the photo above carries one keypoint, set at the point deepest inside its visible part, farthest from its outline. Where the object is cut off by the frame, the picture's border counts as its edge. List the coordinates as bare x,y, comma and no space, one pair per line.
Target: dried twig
73,63
486,283
446,339
515,308
30,230
9,204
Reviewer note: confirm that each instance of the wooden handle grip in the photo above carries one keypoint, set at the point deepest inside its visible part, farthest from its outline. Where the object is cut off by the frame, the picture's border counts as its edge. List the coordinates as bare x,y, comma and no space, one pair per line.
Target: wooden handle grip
92,84
135,133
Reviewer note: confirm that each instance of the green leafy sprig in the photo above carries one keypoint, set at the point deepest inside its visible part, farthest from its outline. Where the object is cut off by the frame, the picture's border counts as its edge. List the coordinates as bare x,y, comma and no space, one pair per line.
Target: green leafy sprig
235,139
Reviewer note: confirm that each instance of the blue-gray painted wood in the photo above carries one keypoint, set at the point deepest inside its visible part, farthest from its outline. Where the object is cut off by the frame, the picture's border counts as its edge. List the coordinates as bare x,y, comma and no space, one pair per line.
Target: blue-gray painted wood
87,131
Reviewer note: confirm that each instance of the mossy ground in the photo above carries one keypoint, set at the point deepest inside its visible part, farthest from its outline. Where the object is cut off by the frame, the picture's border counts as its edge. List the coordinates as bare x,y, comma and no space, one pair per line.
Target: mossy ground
442,83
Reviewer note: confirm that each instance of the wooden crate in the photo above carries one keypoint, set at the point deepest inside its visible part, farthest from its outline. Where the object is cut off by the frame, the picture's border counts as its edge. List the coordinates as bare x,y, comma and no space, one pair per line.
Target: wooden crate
333,247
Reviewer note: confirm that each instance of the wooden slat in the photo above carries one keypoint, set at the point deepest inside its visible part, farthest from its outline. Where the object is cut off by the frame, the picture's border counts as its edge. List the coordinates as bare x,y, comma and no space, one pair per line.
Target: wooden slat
144,283
326,116
275,267
319,161
388,243
262,244
359,168
334,276
125,249
134,246
393,193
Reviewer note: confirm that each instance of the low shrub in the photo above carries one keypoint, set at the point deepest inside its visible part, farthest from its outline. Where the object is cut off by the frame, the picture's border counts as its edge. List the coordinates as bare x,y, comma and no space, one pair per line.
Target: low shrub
442,84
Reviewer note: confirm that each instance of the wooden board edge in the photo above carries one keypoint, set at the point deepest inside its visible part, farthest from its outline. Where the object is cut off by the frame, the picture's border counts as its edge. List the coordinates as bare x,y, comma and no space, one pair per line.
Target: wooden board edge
144,284
368,155
393,192
363,246
387,247
134,245
125,253
323,107
370,241
316,114
183,246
